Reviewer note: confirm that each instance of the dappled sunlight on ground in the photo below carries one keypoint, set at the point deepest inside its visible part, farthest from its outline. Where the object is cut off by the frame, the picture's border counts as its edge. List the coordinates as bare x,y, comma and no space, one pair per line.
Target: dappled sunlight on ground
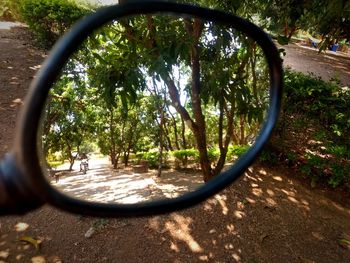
271,215
104,184
234,226
178,228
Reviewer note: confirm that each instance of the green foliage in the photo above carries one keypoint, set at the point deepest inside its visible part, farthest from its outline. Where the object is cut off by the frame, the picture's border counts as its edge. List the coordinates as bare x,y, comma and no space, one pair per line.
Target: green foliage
213,154
54,159
128,72
339,174
292,157
339,151
282,40
9,10
186,155
312,165
49,19
152,157
325,101
236,151
268,157
87,147
320,110
321,169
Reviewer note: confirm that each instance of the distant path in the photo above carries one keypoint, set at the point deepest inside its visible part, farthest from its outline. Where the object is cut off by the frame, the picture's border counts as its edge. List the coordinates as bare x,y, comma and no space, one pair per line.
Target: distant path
104,184
326,66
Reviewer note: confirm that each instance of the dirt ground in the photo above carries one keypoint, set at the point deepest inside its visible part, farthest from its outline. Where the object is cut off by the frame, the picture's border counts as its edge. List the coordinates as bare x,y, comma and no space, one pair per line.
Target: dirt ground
268,215
124,185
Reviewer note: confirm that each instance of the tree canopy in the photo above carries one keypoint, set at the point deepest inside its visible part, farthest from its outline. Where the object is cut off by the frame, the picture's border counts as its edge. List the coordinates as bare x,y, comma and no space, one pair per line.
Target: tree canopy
140,82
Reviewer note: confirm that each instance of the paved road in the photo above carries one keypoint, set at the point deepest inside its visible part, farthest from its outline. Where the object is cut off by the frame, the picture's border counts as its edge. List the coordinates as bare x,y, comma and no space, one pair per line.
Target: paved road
325,65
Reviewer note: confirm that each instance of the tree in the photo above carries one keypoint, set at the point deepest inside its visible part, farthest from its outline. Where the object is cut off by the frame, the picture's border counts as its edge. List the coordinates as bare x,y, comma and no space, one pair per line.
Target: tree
67,123
180,69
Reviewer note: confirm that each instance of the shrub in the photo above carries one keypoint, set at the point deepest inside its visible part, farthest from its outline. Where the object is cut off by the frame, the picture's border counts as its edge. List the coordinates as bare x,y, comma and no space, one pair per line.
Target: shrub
49,19
325,101
268,157
339,175
236,151
186,155
213,154
9,10
54,159
339,151
322,169
320,110
152,158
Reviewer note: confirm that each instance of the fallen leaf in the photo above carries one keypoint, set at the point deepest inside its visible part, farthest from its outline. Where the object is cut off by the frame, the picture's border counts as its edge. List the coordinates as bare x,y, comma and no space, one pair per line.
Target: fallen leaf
38,259
90,232
344,240
4,253
262,237
54,259
344,243
30,240
19,227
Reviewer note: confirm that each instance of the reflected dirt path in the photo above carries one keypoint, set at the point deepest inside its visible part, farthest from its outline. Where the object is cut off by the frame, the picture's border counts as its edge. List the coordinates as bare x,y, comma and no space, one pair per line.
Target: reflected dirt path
102,183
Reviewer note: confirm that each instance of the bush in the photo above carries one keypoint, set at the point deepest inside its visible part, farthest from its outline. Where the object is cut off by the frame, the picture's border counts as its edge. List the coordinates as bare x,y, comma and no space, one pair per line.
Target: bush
54,159
269,157
325,101
49,19
152,158
213,154
9,10
322,169
318,113
236,151
339,151
186,155
339,174
192,155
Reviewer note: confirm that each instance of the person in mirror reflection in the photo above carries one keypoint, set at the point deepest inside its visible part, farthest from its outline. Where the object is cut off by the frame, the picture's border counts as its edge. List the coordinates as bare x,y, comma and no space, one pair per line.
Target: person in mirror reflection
84,163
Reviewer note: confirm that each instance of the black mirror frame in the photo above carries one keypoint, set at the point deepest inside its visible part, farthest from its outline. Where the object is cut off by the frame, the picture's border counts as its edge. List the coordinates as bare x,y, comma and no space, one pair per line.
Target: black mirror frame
22,168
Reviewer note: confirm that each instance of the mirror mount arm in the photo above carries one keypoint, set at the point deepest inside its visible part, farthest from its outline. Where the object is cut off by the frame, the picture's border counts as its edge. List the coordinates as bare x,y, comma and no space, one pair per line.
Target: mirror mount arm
16,197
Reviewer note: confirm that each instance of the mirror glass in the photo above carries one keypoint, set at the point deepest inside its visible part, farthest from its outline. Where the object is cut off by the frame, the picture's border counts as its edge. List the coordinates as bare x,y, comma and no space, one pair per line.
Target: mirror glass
152,107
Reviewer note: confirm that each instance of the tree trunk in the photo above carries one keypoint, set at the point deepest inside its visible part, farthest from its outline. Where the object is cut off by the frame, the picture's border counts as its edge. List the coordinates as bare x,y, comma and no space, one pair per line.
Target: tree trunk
71,158
177,145
183,130
116,160
160,158
112,140
126,157
169,146
223,144
198,126
195,31
291,33
242,133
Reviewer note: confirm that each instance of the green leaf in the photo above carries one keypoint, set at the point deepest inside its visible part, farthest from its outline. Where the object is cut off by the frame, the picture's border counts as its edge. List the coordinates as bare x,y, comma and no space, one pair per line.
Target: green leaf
344,243
282,40
30,240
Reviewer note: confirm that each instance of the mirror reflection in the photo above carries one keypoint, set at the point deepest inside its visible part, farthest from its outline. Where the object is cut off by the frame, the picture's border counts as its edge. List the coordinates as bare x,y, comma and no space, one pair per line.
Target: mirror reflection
152,107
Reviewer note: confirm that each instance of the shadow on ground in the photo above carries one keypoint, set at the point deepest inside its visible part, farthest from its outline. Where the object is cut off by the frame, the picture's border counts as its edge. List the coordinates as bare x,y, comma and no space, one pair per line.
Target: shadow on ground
107,185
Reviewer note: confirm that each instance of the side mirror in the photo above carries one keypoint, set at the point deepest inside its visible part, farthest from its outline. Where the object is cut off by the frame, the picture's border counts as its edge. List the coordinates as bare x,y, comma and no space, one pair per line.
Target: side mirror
128,70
